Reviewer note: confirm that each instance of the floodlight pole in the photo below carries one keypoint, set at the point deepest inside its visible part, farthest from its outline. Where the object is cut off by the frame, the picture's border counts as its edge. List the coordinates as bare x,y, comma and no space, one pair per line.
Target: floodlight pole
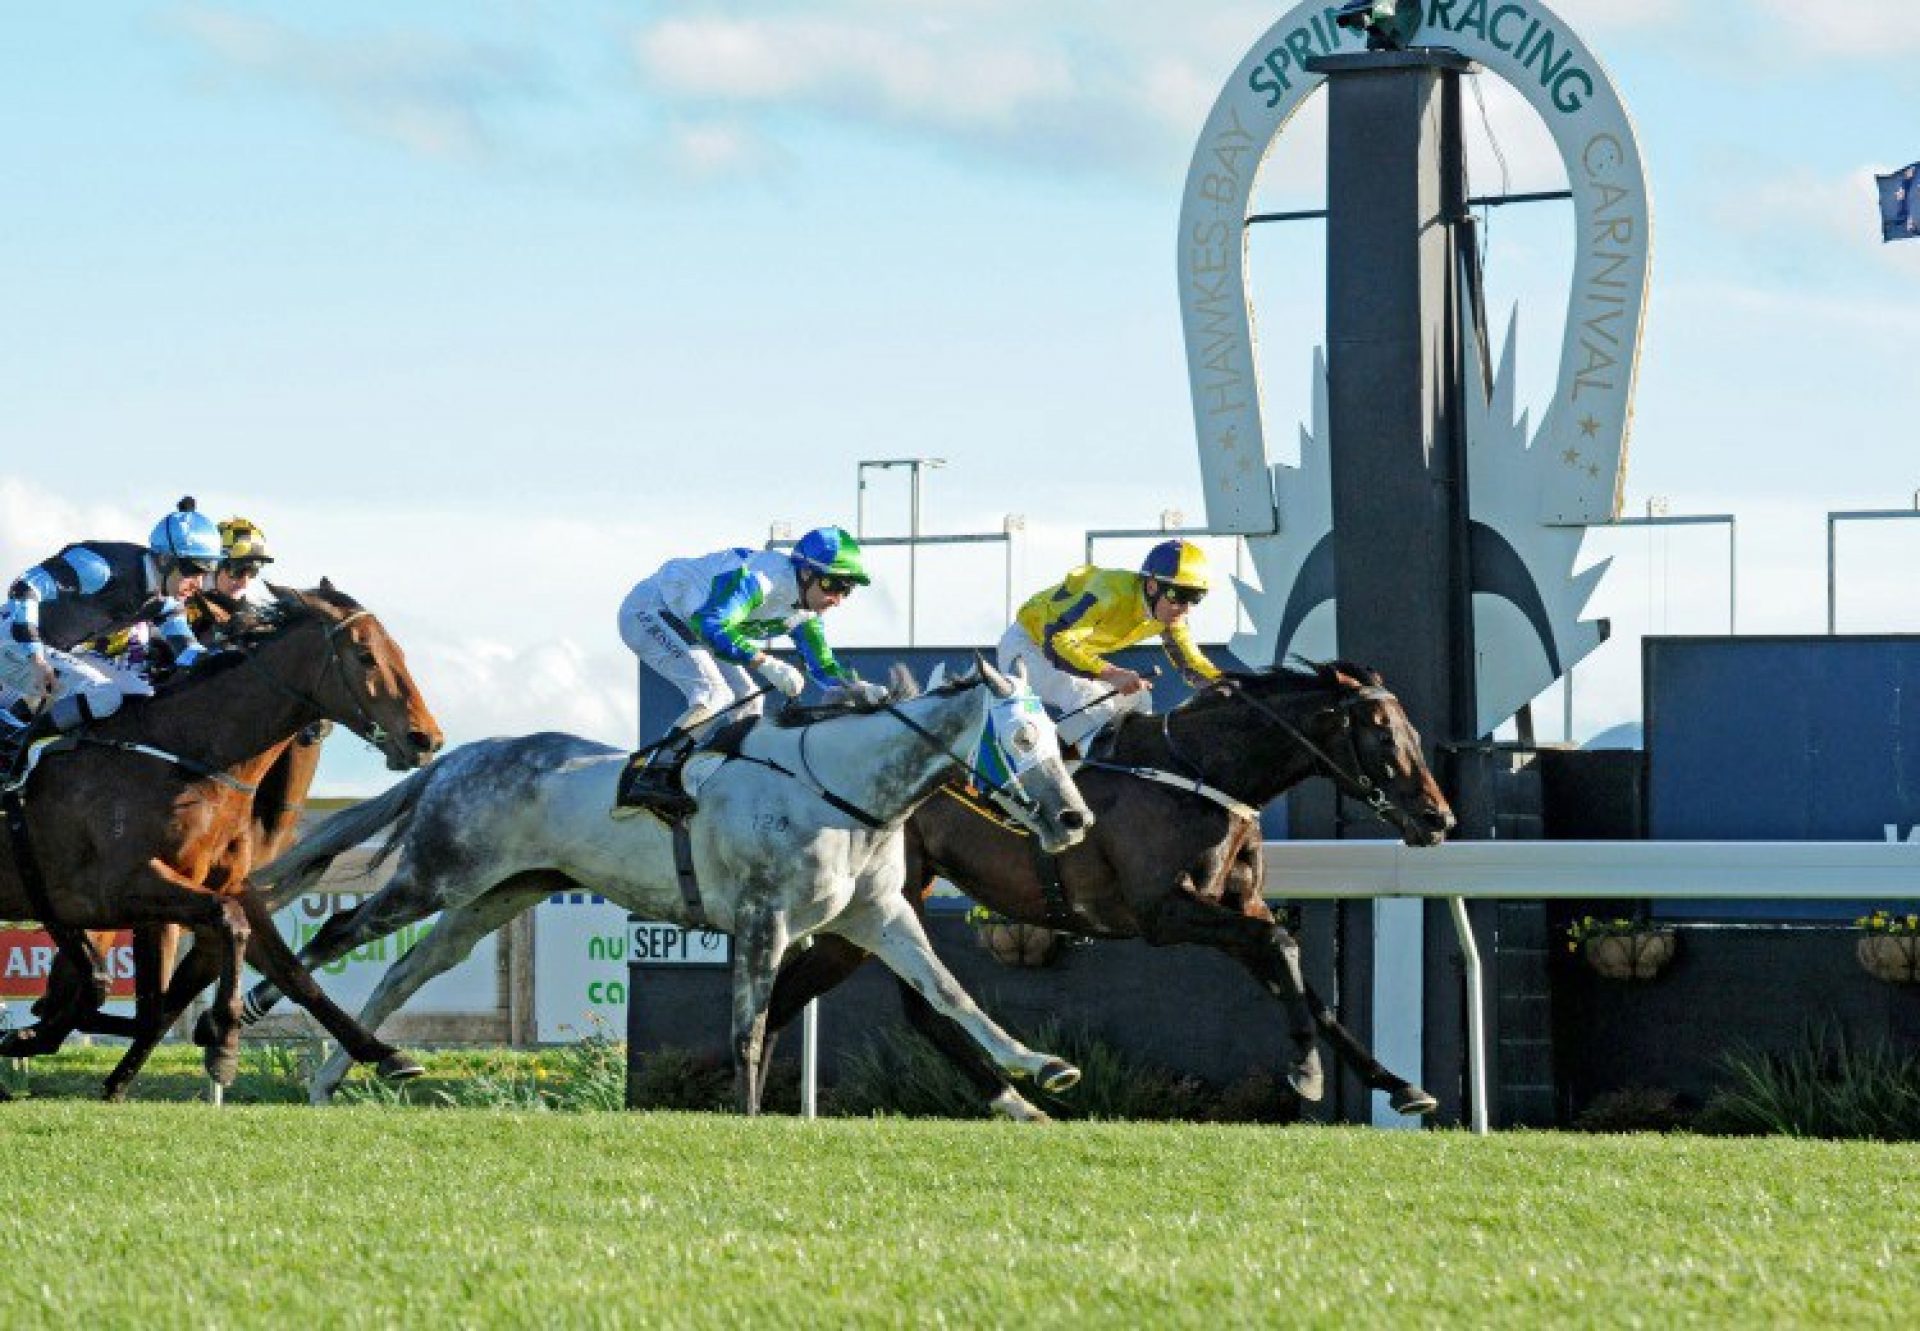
1858,515
915,466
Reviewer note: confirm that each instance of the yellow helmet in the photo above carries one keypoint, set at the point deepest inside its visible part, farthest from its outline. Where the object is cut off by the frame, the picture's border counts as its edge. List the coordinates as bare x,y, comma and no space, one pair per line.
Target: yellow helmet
1178,564
241,542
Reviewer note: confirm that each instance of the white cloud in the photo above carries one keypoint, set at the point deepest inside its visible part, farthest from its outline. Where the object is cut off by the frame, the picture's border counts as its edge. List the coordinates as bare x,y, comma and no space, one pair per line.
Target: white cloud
1876,29
430,95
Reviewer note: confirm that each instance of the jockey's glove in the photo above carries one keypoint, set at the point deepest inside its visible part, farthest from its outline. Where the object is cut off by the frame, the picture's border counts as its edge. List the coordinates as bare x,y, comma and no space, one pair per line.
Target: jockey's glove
782,676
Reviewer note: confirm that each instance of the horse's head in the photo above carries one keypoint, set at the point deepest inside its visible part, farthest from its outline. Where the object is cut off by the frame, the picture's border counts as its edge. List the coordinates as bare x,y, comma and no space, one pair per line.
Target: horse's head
363,682
1372,752
1018,763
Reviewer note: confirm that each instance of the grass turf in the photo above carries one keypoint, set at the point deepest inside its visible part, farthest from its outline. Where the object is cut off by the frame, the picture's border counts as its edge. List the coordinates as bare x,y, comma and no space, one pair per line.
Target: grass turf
179,1215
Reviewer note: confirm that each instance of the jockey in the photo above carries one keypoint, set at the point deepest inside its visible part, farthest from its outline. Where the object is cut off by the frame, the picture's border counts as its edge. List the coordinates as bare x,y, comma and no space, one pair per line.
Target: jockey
92,587
1065,633
243,555
233,587
702,624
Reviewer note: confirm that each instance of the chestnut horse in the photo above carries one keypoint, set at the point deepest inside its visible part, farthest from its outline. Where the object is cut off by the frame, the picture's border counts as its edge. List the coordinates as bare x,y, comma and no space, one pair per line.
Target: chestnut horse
1171,865
147,818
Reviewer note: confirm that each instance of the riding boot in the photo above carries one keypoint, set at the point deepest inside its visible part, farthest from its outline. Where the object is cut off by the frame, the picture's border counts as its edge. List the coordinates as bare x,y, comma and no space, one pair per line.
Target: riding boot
650,783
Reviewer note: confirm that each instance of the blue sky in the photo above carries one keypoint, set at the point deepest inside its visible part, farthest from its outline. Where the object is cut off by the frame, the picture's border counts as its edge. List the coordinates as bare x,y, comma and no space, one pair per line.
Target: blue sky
483,309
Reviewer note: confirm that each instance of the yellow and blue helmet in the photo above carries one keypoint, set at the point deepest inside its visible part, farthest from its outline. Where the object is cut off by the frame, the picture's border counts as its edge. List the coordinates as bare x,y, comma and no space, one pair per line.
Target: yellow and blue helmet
1178,564
832,551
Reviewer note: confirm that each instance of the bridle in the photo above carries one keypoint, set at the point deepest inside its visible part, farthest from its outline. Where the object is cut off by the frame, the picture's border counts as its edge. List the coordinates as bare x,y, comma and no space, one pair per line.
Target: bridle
369,729
1010,793
1351,778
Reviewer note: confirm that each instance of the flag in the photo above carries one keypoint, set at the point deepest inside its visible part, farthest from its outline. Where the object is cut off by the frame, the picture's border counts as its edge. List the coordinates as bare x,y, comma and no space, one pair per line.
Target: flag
1898,218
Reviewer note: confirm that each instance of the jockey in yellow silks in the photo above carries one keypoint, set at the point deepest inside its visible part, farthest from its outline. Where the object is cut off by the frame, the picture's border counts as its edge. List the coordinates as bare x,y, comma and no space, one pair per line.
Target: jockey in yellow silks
1064,634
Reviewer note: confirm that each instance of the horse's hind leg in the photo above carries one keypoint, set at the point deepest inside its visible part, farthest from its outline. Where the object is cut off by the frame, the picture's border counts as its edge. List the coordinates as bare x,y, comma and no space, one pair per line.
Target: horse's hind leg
71,1001
154,947
885,926
445,946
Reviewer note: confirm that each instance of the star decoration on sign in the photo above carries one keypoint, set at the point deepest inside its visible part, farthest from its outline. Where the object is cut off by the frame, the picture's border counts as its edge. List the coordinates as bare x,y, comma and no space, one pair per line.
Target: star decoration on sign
1571,457
1589,426
1594,472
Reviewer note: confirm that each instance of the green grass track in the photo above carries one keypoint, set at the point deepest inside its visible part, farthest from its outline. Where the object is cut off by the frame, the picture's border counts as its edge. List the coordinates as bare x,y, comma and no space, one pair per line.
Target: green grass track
164,1215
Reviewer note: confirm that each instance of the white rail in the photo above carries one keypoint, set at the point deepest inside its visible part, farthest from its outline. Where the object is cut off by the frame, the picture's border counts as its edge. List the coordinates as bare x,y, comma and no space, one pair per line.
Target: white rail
1561,870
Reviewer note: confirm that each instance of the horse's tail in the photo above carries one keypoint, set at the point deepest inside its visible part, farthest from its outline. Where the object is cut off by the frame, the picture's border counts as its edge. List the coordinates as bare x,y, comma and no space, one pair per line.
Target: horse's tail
314,853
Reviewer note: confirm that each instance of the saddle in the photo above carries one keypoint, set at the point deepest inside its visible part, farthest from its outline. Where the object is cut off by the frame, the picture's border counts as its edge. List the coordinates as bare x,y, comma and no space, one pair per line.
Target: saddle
654,780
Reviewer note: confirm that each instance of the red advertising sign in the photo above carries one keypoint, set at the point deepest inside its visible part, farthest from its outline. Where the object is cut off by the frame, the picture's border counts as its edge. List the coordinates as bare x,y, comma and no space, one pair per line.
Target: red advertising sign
26,955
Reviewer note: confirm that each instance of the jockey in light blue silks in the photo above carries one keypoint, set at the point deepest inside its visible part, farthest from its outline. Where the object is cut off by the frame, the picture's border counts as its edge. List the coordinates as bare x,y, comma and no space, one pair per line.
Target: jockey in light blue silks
95,587
702,624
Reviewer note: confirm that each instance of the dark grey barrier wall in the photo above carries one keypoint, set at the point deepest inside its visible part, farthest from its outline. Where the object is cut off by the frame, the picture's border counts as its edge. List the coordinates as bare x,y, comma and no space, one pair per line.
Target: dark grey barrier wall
1190,1010
1752,739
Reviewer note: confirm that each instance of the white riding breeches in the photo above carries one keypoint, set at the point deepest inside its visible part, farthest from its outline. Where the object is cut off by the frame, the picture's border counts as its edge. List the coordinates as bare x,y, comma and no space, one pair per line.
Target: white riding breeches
670,650
96,686
1066,692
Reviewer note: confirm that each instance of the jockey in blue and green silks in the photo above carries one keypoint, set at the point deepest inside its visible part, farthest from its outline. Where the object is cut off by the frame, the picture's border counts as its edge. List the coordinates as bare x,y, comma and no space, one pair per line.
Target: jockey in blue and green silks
1064,634
702,624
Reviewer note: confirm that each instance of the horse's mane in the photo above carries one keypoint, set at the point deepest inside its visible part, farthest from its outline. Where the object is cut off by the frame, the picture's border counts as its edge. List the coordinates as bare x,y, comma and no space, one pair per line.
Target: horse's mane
252,626
1296,674
901,687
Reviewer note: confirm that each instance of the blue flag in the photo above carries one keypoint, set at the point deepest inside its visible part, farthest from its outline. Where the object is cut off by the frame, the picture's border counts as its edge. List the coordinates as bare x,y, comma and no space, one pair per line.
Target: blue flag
1898,219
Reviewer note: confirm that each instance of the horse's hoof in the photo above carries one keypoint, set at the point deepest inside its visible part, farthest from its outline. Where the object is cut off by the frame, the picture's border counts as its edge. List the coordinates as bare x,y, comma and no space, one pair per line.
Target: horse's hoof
398,1067
1057,1075
1412,1100
21,1043
1306,1079
222,1066
1016,1108
203,1032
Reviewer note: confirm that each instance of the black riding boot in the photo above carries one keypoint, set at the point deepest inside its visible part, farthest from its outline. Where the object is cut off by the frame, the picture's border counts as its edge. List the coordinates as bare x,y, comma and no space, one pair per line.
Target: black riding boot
651,783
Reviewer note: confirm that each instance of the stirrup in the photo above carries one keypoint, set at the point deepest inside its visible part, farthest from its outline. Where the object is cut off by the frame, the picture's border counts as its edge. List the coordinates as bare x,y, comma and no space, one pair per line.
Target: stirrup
649,787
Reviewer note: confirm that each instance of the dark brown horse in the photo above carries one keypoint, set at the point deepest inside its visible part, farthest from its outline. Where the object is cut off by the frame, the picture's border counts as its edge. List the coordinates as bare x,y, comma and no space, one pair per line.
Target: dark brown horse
149,819
1173,866
277,808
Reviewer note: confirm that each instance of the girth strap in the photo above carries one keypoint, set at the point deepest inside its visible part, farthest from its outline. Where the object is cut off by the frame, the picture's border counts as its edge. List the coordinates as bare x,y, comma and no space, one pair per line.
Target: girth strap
1193,786
689,884
1053,889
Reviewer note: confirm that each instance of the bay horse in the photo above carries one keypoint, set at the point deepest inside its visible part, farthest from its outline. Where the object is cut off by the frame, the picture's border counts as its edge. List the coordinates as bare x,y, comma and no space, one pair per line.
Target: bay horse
1170,865
146,818
798,835
277,807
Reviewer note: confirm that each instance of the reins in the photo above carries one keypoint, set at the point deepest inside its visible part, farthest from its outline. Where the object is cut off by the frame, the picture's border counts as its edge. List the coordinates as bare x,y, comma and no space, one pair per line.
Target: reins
1375,797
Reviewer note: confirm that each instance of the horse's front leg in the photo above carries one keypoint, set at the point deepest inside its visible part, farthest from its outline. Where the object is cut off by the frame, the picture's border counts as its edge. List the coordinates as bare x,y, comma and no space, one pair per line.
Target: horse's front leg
884,925
759,941
1264,948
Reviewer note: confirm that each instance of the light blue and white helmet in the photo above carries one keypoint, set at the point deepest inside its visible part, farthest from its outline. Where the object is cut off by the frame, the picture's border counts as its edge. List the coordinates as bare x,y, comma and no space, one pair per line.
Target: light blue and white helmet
186,534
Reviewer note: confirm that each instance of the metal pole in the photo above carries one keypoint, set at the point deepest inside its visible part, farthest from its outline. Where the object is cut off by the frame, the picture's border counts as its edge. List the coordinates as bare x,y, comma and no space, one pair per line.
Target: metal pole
1830,588
913,556
1476,1016
810,1060
1733,576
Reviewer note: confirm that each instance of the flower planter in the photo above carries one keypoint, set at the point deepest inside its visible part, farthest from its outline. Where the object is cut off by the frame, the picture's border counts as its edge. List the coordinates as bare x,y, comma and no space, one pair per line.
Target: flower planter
1639,956
1894,958
1014,944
